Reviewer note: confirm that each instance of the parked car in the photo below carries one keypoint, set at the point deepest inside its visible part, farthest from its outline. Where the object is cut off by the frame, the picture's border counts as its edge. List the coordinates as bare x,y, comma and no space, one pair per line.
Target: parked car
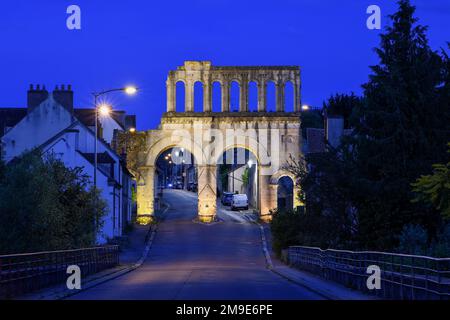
239,201
192,186
227,198
178,185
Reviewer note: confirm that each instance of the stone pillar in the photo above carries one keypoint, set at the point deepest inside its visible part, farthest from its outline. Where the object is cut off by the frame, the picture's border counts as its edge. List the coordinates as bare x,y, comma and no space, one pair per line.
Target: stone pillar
170,87
280,96
225,87
262,88
268,197
243,96
189,96
207,193
145,195
207,93
297,96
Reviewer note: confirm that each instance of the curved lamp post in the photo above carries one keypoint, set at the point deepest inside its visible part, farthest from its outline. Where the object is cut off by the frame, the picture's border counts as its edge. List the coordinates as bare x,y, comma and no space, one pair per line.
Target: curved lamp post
105,110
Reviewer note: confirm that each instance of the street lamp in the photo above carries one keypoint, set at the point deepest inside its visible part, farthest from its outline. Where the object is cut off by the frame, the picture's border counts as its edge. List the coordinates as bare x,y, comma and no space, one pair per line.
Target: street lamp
104,110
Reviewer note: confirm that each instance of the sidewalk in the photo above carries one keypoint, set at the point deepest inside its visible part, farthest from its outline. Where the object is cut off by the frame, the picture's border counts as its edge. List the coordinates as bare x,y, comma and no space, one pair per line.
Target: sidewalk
132,255
328,289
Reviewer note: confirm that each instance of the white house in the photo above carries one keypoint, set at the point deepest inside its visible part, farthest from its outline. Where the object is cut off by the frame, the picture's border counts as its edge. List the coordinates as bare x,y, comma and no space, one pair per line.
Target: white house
55,128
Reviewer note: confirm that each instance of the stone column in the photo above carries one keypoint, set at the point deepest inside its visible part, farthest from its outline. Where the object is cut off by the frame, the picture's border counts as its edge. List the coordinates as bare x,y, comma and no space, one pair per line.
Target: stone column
207,93
268,197
189,96
297,96
170,87
207,193
225,88
243,96
280,96
262,88
145,195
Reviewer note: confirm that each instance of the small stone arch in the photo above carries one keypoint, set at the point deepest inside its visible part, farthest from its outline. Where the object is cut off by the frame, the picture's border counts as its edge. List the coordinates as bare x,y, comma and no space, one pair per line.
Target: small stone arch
280,174
285,173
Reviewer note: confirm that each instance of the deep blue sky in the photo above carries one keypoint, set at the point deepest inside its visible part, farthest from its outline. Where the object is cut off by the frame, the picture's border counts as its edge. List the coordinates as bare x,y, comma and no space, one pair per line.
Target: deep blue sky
139,41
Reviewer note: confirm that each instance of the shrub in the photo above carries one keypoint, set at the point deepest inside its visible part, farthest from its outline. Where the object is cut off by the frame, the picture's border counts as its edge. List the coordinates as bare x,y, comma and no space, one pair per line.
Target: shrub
46,206
413,240
285,228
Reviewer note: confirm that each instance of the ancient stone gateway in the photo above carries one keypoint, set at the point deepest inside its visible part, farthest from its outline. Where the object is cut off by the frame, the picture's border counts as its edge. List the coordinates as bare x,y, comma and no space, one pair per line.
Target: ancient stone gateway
273,137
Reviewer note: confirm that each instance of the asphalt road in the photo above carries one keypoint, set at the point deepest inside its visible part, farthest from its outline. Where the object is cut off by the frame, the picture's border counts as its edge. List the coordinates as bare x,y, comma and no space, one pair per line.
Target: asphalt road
189,260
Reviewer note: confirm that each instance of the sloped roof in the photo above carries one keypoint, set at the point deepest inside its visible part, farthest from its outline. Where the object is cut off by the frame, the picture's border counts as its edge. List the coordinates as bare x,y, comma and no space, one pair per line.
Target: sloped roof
9,117
87,116
103,157
315,139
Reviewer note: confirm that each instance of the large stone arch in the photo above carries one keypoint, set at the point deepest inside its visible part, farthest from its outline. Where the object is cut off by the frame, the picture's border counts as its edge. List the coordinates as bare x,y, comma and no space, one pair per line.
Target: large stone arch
167,142
206,179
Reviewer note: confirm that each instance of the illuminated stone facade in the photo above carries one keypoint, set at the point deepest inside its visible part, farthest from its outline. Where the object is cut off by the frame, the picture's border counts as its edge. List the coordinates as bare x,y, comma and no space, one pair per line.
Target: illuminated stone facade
273,137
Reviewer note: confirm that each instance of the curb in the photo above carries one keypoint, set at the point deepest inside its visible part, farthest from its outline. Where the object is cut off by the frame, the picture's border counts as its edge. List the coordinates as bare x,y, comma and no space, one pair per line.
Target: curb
144,256
270,266
112,275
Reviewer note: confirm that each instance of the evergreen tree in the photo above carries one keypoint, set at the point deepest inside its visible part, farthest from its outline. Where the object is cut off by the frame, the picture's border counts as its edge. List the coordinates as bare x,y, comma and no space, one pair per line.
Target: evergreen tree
400,130
342,105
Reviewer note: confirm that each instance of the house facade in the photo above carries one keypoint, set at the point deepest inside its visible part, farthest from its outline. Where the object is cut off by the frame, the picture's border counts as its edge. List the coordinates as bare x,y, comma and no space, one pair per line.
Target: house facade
52,125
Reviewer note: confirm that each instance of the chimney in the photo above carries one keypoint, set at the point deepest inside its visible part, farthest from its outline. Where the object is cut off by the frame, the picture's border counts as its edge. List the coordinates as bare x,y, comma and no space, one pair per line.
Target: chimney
64,96
334,130
35,96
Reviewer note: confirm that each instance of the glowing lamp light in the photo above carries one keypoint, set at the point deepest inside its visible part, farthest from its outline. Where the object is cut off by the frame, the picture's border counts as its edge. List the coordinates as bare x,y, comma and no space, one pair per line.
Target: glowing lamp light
305,107
104,110
132,130
130,90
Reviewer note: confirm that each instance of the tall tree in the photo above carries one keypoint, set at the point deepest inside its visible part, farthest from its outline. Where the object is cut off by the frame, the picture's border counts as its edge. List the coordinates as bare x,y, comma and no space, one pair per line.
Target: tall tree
400,130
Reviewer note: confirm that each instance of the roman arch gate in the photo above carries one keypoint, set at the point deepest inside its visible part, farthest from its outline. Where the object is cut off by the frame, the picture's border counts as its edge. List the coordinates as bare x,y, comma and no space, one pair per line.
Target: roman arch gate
273,137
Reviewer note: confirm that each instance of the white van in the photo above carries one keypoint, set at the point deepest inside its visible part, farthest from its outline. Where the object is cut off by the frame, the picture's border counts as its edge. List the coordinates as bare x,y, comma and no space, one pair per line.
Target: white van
239,201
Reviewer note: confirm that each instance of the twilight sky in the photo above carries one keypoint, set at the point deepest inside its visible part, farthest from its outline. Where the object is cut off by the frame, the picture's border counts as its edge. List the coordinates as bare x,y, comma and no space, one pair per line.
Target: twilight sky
139,41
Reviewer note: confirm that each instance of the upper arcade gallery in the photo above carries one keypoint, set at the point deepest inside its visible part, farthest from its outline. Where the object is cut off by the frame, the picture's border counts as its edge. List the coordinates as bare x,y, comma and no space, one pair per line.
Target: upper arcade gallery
193,73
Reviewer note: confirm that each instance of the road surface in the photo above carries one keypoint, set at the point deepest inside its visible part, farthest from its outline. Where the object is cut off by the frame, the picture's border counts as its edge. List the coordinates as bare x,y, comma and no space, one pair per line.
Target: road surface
189,260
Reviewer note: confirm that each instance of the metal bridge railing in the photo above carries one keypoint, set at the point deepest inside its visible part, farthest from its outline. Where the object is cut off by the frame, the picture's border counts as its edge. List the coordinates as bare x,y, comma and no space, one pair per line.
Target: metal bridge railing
24,273
402,276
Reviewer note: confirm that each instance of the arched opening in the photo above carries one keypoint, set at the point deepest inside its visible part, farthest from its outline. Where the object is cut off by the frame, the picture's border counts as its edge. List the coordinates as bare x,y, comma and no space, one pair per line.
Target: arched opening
176,177
180,94
271,99
252,96
237,184
198,96
216,97
289,97
234,96
285,194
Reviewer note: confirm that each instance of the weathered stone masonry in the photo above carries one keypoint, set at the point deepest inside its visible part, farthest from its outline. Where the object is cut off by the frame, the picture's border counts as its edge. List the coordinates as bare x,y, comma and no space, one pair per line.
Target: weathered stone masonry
272,137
